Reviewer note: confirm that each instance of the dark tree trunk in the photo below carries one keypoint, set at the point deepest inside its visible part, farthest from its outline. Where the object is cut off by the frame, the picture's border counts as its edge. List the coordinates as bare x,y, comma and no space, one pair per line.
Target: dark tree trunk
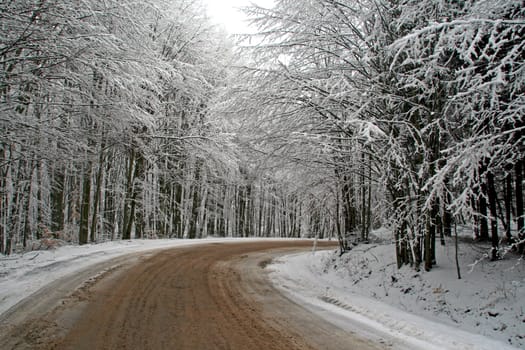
416,250
57,202
128,200
433,232
458,269
84,208
96,199
406,256
428,244
430,238
399,254
508,206
482,206
493,215
130,220
194,212
340,238
139,224
134,187
447,220
4,170
8,246
27,223
369,204
474,205
177,210
349,211
363,198
483,223
518,170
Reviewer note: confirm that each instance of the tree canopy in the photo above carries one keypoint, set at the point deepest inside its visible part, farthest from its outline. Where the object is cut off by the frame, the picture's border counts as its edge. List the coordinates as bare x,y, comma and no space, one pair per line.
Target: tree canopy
122,119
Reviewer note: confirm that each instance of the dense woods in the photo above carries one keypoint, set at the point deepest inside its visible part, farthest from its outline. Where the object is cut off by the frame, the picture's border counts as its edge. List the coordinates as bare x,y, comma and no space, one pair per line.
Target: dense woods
122,119
403,113
104,128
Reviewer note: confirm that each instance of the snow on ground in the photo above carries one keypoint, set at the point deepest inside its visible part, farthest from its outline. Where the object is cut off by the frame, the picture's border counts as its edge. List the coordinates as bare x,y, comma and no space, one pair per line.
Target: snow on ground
419,310
23,274
362,290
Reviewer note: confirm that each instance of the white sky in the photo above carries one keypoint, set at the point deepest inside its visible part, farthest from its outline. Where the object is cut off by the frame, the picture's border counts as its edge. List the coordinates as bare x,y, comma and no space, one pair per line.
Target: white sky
224,12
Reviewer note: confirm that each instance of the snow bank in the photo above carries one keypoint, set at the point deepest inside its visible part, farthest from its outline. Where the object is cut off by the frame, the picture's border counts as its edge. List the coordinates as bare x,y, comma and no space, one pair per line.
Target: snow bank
364,290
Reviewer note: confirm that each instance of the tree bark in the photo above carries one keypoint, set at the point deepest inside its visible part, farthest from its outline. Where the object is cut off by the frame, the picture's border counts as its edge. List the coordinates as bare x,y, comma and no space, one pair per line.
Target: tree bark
128,202
447,220
520,220
363,198
27,221
134,187
96,199
369,201
57,202
493,215
482,220
84,207
428,244
416,250
508,207
430,239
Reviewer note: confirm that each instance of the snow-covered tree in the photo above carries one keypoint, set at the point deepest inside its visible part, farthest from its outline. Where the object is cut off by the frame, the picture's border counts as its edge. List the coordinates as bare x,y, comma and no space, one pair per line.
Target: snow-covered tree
476,62
422,98
99,101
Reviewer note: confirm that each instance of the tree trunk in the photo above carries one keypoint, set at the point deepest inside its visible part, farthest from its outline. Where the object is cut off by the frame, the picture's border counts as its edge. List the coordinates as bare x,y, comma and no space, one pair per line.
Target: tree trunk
402,246
129,209
57,202
493,215
399,255
96,199
363,198
177,209
458,269
27,222
262,211
349,211
518,170
84,207
508,207
447,220
369,201
340,238
430,239
135,188
427,244
483,223
416,250
3,203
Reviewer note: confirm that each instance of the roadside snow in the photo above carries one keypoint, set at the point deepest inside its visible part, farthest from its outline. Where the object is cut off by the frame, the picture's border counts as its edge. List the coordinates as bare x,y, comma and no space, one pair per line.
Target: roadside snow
23,274
364,290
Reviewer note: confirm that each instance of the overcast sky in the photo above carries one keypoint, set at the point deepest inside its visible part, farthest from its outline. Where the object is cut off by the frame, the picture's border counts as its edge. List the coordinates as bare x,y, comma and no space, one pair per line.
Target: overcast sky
225,12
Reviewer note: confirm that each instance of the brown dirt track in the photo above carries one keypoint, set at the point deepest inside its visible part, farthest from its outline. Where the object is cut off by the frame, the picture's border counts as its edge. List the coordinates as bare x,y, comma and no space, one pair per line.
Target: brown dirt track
213,296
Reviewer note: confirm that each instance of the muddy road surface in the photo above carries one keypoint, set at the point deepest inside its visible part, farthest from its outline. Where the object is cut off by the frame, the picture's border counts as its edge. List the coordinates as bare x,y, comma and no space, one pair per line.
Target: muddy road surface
213,296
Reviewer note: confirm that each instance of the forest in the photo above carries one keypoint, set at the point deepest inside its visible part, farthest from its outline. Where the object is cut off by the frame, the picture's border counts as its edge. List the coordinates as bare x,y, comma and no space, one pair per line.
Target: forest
123,119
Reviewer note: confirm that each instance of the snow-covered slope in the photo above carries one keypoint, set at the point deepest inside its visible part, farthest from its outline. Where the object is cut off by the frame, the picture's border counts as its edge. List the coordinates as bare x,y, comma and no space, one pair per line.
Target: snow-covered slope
424,310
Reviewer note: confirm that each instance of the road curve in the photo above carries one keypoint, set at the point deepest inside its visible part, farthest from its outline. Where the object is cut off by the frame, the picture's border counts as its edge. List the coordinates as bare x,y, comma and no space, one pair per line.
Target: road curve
213,296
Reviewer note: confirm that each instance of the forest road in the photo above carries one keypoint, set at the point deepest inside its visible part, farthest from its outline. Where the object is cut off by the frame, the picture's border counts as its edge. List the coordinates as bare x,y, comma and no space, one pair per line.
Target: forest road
212,296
